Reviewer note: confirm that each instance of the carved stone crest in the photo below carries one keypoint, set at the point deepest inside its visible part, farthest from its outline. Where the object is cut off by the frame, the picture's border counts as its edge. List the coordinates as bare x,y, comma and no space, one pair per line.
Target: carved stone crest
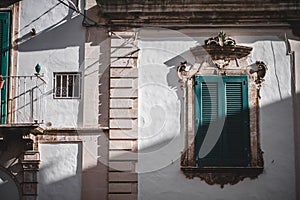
221,49
220,40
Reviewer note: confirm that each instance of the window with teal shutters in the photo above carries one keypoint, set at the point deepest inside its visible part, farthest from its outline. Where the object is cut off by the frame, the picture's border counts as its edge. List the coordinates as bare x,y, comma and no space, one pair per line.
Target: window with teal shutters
4,60
222,106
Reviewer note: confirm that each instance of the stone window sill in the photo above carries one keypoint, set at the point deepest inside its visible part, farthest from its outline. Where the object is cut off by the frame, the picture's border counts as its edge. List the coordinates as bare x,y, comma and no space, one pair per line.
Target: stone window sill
222,175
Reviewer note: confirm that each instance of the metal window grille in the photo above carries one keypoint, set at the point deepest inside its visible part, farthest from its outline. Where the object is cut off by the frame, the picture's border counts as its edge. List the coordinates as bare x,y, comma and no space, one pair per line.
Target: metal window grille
67,85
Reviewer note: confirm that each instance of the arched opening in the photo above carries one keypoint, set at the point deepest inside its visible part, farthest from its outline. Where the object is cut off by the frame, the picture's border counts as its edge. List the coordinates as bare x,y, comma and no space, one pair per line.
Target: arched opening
9,188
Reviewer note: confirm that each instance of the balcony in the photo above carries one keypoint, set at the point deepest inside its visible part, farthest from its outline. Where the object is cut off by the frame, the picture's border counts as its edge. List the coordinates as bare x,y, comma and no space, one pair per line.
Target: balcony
22,103
190,13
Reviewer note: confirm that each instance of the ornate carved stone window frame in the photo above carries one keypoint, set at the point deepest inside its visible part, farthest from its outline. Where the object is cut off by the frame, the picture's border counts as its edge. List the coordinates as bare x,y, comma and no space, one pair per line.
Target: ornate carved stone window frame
206,65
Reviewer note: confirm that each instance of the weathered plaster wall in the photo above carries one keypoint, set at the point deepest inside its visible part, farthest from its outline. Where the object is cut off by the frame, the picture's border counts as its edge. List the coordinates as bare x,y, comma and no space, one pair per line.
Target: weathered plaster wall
60,171
58,46
161,114
63,44
91,163
94,165
96,70
160,127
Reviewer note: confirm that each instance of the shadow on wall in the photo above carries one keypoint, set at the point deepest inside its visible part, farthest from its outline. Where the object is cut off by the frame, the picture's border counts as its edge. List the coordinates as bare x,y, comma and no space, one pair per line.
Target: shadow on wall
58,179
277,143
93,180
61,178
279,167
97,61
65,33
69,32
60,35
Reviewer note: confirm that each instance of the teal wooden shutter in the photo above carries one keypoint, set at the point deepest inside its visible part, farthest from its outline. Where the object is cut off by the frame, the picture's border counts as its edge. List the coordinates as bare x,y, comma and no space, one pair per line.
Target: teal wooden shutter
219,98
4,60
236,132
208,112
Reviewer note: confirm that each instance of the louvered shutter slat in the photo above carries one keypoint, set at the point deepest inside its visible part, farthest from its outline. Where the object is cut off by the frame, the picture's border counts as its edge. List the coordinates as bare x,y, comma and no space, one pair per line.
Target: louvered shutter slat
223,98
235,133
209,102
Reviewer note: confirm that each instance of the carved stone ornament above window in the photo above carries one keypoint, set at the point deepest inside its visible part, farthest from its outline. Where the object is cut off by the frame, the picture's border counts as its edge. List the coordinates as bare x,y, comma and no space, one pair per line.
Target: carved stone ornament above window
222,49
218,77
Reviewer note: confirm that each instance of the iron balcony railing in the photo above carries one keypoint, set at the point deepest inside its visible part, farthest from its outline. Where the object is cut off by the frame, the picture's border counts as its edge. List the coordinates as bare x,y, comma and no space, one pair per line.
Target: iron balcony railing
22,99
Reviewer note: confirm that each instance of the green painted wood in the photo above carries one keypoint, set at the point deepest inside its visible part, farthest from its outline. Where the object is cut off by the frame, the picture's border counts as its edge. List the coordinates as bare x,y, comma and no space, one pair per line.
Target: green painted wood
4,44
236,130
223,101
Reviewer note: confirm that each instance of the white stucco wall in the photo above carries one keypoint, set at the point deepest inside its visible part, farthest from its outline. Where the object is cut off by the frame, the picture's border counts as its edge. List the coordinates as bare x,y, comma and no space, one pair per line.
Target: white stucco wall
160,102
161,115
60,171
63,44
58,46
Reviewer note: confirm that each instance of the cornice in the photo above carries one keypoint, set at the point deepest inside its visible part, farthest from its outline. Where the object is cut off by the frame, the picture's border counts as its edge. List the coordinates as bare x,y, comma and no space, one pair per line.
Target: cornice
192,13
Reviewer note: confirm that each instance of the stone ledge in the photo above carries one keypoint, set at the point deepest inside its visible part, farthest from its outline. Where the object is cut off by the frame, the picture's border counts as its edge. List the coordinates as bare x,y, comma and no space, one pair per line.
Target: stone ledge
121,123
121,103
222,175
122,155
123,113
121,83
123,93
124,73
118,177
123,62
121,166
121,144
120,187
123,134
122,196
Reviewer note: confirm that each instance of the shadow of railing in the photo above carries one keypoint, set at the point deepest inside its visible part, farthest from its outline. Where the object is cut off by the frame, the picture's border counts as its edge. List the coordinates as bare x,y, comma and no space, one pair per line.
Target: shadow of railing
22,99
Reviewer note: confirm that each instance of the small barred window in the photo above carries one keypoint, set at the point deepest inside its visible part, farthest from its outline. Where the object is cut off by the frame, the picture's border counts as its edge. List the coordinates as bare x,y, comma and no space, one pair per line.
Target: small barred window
67,85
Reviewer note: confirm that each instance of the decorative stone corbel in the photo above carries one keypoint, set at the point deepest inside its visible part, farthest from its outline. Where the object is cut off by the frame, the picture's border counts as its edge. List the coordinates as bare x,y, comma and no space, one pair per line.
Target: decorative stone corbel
260,68
186,71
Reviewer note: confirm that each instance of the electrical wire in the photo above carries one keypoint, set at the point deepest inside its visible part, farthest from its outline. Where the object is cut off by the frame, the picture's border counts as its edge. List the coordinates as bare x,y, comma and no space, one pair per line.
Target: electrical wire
74,8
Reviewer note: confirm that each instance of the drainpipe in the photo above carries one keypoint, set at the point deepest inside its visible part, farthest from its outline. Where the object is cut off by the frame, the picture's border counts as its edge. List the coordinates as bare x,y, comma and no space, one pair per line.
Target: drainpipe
296,116
185,119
